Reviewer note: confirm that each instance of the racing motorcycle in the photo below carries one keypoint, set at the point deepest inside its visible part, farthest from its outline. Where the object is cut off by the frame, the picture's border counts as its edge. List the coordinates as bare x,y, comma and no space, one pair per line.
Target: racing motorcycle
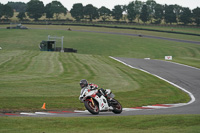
96,101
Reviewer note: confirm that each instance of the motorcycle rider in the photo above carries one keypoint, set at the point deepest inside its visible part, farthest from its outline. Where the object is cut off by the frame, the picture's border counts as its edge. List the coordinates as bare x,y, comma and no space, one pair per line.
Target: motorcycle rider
84,85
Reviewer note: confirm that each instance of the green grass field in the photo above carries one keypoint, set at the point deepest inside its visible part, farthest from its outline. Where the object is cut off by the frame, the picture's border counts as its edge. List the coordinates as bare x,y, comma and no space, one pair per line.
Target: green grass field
134,47
30,77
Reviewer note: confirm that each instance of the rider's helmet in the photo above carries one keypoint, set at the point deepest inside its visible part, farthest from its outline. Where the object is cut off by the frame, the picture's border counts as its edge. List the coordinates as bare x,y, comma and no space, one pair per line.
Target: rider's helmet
83,83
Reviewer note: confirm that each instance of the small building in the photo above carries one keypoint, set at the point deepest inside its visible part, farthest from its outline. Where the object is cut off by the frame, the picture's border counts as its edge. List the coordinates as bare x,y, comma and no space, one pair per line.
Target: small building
51,46
47,46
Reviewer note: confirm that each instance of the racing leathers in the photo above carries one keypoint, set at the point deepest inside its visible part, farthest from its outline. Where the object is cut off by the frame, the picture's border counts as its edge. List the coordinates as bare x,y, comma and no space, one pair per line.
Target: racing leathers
92,87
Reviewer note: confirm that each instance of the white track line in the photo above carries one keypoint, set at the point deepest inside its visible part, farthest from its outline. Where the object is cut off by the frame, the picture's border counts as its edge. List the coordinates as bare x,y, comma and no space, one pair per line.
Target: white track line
130,109
156,107
43,113
23,113
81,111
174,105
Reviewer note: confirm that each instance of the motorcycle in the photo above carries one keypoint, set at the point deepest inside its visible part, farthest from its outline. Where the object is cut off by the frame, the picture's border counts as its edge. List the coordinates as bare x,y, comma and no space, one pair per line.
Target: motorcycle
96,101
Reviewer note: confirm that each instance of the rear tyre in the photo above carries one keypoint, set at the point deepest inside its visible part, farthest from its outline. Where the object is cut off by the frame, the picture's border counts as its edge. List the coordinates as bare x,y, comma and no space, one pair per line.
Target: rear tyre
93,109
117,107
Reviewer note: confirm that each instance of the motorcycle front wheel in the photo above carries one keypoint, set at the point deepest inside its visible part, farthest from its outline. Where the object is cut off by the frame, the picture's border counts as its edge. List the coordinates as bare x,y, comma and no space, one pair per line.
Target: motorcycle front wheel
93,109
117,107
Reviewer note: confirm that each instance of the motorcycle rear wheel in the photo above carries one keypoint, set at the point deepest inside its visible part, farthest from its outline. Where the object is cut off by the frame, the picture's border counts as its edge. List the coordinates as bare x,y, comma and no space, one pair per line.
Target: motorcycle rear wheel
93,109
117,107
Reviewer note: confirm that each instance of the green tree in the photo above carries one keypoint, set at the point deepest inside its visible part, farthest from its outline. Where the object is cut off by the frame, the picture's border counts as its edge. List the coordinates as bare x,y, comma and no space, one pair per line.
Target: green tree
1,10
117,12
48,11
196,15
104,13
131,13
91,11
177,10
21,15
138,8
57,8
77,11
186,16
35,9
158,16
170,15
7,11
144,16
18,6
151,8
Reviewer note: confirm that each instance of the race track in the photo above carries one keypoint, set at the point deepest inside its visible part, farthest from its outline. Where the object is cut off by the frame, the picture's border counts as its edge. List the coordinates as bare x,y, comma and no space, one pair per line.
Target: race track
184,76
145,36
181,75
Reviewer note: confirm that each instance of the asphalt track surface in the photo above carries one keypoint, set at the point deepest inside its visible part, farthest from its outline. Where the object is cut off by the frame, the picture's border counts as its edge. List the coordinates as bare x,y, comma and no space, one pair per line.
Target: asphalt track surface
184,76
145,36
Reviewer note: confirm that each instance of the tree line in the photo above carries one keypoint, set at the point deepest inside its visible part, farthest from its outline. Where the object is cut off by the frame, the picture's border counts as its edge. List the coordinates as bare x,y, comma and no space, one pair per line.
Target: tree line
148,11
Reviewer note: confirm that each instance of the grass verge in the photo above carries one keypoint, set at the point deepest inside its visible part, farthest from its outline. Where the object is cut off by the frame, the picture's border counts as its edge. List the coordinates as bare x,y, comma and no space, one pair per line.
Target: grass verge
128,124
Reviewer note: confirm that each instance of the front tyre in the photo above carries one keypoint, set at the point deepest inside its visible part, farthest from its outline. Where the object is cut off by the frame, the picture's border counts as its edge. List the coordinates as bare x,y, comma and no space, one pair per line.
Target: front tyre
117,107
93,109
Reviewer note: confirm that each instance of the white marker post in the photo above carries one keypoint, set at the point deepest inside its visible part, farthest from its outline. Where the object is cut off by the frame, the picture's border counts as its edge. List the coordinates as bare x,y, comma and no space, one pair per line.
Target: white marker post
168,57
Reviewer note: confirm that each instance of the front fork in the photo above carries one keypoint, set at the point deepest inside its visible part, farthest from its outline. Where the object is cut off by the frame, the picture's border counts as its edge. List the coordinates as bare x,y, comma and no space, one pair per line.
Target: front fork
92,101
